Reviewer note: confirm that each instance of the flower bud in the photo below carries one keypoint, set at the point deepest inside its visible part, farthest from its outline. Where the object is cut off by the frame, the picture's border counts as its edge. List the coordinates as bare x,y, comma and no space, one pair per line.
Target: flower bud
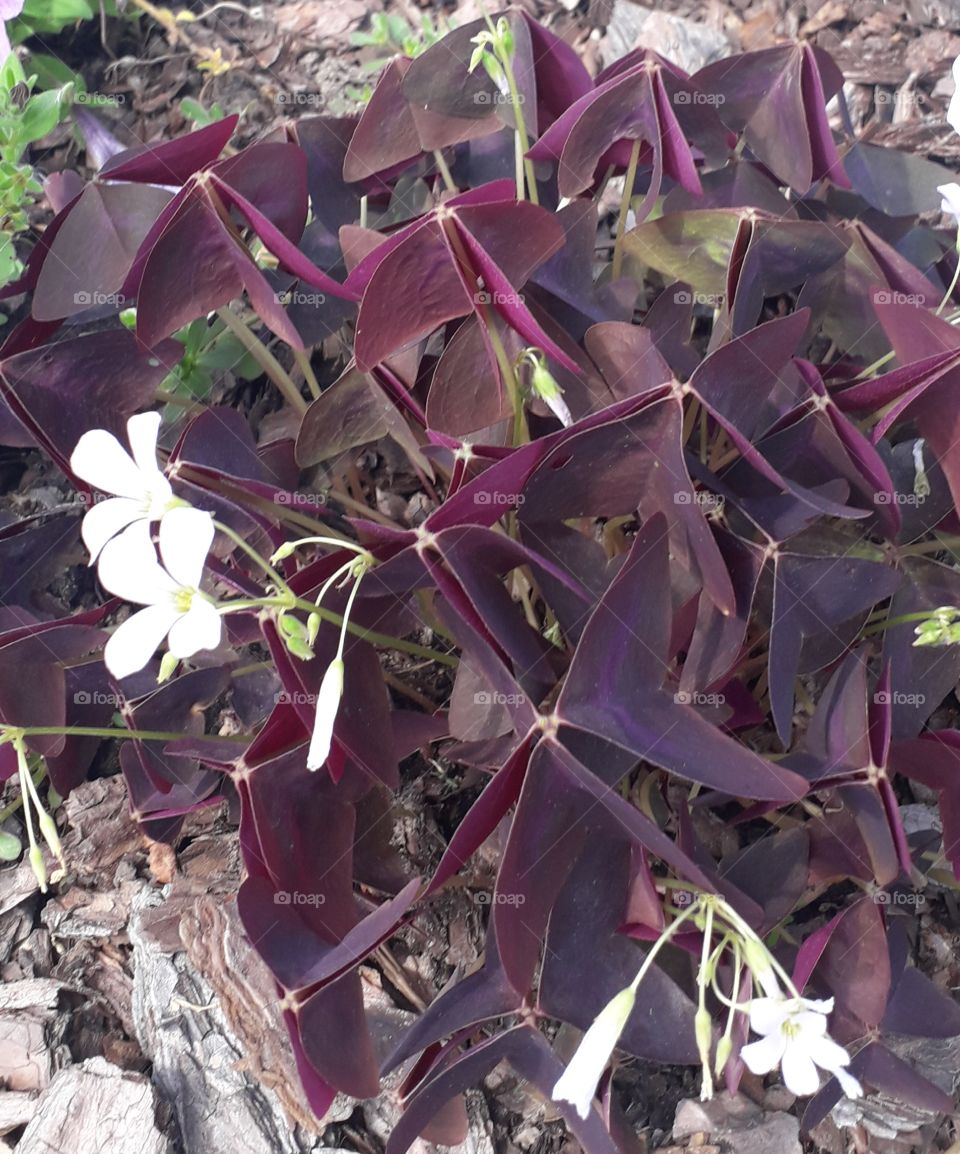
505,35
328,705
39,867
168,667
724,1050
48,828
313,628
286,550
757,958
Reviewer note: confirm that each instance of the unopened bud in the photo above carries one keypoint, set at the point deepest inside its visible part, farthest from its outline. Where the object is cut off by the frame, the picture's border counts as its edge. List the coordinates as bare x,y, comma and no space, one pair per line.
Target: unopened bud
313,628
286,550
48,828
39,867
757,958
703,1027
724,1050
505,35
168,667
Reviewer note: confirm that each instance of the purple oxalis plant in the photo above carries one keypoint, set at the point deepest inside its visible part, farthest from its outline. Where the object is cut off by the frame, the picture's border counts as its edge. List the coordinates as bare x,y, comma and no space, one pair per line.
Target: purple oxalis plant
683,557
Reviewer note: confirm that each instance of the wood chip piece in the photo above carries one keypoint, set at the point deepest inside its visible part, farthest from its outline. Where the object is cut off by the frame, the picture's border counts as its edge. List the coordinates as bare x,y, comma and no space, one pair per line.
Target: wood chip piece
94,1107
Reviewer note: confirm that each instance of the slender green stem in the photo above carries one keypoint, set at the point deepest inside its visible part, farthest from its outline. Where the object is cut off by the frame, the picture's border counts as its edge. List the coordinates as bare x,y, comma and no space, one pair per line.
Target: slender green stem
943,541
303,361
953,283
628,183
134,734
351,597
893,622
444,171
507,371
524,166
702,978
658,945
384,640
252,553
264,358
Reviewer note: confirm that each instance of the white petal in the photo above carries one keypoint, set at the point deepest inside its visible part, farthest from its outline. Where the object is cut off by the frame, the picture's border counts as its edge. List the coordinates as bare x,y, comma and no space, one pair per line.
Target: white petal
767,1015
951,198
185,539
851,1087
142,432
827,1053
102,461
106,519
818,1006
953,111
799,1073
577,1092
810,1025
763,1056
136,640
199,628
558,406
578,1083
129,568
328,703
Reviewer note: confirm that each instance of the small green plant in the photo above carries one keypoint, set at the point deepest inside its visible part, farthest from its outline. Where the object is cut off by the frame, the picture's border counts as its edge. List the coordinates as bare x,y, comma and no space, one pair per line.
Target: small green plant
391,34
25,116
48,17
207,350
195,112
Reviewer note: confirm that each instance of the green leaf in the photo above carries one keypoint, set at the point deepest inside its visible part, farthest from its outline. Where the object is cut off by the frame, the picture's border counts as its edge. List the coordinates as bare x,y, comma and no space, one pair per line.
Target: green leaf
40,116
10,847
12,72
53,73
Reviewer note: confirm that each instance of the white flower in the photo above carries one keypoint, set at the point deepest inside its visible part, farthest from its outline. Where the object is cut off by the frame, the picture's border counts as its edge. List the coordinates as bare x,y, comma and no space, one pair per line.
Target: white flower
953,110
129,568
328,703
142,491
794,1037
951,198
578,1083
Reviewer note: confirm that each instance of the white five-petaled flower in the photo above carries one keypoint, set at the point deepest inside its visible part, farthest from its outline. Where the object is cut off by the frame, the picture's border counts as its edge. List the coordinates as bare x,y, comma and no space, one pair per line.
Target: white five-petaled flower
328,704
794,1037
175,607
141,490
578,1083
